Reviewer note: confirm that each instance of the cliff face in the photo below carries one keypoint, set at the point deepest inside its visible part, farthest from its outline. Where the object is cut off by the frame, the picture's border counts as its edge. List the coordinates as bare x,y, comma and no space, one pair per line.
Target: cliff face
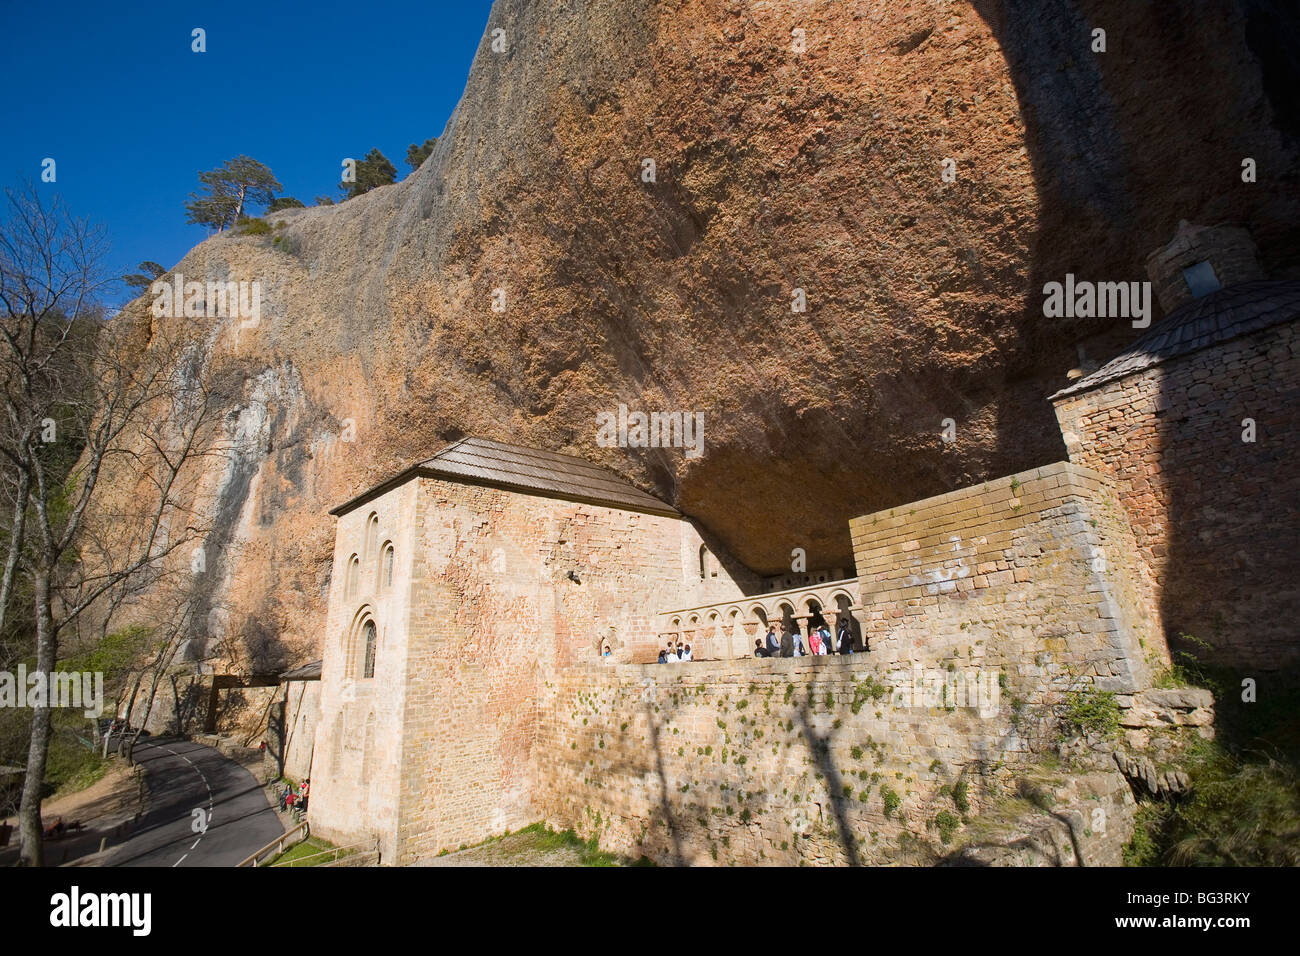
776,169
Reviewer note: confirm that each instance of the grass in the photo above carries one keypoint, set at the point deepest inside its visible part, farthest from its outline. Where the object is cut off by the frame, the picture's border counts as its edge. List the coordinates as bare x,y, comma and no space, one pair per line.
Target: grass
538,839
1244,805
83,774
1244,810
312,851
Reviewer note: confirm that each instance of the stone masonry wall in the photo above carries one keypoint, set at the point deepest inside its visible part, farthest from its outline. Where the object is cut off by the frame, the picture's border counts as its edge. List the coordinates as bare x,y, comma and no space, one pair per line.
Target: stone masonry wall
359,738
798,761
986,609
509,588
1044,557
1216,518
301,716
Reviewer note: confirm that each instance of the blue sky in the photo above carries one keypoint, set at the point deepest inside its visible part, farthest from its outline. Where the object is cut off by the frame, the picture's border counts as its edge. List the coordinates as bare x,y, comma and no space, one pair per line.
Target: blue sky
113,93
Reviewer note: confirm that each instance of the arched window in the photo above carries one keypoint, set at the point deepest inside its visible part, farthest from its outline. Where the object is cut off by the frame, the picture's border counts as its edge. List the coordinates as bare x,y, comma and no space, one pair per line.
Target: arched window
372,535
704,562
353,581
386,568
370,638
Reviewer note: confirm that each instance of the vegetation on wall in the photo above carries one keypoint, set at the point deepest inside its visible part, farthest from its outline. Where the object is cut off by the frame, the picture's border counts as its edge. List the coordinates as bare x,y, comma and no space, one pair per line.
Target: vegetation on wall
1243,808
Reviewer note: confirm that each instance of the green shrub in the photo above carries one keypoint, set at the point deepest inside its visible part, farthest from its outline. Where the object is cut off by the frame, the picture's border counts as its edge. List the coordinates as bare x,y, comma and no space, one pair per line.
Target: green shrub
1240,813
947,824
959,797
1091,712
253,227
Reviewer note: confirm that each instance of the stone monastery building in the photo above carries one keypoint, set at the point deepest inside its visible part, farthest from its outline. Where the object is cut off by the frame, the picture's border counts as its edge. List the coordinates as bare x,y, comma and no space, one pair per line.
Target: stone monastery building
463,690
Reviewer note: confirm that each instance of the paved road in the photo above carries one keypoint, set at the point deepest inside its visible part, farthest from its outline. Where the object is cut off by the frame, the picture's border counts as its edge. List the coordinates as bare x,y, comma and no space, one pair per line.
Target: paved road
183,777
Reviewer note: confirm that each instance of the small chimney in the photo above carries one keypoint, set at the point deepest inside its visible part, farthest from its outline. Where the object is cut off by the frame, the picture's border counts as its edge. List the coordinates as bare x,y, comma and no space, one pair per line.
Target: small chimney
1201,260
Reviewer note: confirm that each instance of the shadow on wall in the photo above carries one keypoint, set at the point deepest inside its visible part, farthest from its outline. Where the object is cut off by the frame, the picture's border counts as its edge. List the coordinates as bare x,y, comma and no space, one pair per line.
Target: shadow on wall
1126,143
820,749
1234,511
1232,505
683,823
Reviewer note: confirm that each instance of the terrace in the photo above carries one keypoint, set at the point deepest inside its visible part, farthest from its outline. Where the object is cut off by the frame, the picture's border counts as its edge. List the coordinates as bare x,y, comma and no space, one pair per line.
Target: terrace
728,630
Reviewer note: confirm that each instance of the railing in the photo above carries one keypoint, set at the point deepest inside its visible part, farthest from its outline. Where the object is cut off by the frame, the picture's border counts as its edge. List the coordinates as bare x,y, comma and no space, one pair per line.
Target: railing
728,630
279,845
339,853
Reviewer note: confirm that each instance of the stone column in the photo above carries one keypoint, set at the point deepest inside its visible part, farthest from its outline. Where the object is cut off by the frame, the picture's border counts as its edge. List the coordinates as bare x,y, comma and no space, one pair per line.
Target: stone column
859,614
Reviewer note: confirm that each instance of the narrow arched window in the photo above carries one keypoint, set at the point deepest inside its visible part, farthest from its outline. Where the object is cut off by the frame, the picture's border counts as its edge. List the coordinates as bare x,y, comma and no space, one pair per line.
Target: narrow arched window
704,562
386,568
353,580
372,535
369,633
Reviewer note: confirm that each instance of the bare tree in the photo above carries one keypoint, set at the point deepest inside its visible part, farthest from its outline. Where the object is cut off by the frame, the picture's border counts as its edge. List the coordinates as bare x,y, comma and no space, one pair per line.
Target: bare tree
144,414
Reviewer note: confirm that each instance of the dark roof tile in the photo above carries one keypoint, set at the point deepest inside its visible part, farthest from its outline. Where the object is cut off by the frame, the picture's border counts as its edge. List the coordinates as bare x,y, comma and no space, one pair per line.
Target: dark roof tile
1227,314
530,470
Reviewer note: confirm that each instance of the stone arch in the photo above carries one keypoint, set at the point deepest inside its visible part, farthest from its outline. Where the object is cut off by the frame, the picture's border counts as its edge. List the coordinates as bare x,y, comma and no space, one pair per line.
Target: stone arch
709,638
786,612
372,536
833,599
816,609
843,601
387,558
807,599
354,646
733,629
352,577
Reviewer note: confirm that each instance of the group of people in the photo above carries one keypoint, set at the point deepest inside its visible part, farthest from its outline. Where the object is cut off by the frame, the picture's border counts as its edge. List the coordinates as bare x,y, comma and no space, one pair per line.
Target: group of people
675,652
791,644
291,798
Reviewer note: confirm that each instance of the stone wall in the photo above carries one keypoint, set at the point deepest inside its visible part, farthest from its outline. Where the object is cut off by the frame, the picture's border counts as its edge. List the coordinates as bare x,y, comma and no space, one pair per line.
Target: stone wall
1037,561
358,747
808,761
1217,519
301,715
497,591
988,610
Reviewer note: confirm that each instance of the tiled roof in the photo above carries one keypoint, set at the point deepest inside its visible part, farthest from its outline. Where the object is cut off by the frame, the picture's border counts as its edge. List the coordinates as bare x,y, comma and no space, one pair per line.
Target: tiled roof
528,470
306,672
1227,314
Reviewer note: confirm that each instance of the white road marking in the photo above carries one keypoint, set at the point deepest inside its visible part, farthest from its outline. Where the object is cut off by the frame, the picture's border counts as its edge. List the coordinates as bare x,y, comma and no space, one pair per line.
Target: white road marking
204,778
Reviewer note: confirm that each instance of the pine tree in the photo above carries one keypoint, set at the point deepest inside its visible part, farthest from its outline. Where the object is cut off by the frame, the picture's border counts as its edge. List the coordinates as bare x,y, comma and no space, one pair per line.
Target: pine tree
416,155
149,273
237,183
374,170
